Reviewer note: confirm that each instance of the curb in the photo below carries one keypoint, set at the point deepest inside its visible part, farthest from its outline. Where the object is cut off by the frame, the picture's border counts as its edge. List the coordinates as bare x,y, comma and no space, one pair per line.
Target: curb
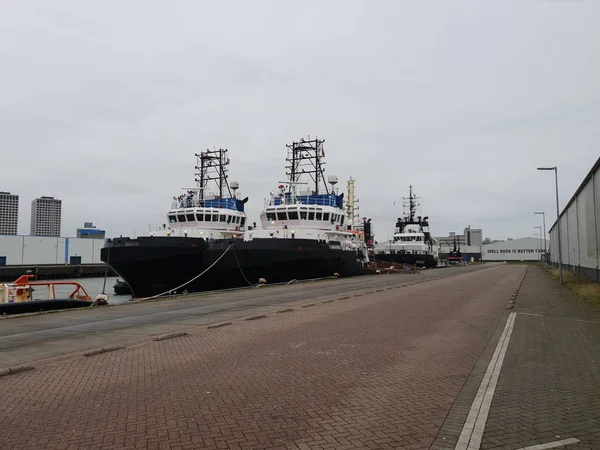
259,316
218,325
14,370
163,337
98,351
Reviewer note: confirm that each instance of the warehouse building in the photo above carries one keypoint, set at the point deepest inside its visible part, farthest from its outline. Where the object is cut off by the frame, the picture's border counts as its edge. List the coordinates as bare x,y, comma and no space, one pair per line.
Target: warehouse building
38,250
580,229
523,249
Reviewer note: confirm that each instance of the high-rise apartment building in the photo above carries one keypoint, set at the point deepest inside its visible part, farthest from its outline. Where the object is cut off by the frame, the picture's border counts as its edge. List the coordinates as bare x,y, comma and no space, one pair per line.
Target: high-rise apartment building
45,216
9,213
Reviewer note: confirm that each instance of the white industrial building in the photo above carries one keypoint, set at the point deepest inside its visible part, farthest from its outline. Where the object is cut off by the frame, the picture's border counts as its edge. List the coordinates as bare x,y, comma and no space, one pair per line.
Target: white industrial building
523,249
38,250
580,229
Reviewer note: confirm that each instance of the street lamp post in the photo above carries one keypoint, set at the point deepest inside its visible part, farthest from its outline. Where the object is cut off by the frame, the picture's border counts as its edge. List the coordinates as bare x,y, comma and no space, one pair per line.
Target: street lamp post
539,244
560,271
544,221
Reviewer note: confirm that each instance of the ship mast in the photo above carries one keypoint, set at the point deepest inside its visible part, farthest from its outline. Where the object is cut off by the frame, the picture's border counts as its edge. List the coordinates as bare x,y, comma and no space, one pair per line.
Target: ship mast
352,203
411,203
212,166
306,157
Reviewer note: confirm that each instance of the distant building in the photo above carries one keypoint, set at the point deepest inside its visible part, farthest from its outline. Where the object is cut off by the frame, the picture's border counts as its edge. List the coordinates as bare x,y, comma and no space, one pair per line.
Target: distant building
45,216
9,213
473,236
491,241
522,249
89,231
470,236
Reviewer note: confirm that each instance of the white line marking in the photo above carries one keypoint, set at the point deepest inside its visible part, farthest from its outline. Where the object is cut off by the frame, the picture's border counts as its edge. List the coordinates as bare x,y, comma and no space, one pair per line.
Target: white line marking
472,432
551,444
531,314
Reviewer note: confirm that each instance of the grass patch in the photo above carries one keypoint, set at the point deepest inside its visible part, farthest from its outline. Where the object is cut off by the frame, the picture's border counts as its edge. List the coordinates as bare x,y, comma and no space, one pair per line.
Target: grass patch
584,288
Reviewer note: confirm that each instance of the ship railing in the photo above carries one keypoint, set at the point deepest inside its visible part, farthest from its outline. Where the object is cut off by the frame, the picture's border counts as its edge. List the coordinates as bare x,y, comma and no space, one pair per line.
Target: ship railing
210,201
278,201
22,290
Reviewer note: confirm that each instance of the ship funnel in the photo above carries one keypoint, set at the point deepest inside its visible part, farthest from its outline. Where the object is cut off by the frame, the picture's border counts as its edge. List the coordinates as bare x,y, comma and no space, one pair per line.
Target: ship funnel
332,179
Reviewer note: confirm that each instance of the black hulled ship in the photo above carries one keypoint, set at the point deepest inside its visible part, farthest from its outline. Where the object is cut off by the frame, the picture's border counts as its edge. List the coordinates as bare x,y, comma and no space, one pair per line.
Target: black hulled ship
412,242
207,244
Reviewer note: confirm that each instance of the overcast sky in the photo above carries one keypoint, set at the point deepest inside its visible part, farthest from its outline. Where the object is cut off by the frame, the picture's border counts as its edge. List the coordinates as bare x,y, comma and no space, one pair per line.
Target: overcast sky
103,104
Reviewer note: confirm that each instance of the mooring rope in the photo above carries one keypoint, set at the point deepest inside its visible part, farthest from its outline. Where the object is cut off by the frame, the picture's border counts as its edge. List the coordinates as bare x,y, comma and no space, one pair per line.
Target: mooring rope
240,267
193,279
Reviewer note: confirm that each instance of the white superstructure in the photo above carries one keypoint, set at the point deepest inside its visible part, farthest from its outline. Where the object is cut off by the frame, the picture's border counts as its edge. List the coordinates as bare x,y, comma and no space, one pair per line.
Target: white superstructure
199,213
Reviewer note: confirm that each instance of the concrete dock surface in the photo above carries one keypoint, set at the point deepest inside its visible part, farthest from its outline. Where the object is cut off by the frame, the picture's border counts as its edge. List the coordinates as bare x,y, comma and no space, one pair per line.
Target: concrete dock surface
442,359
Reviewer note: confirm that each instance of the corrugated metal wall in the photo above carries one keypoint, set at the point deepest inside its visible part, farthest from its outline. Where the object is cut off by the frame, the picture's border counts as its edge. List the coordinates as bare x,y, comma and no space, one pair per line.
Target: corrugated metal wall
580,229
20,250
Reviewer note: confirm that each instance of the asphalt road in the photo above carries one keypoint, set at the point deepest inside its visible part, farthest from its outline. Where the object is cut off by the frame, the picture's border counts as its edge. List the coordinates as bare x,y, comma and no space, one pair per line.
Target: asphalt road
50,335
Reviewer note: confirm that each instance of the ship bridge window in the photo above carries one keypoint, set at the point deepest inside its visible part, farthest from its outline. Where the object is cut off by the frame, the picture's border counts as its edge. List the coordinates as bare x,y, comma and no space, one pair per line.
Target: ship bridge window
222,218
190,217
215,217
319,216
172,219
200,217
293,215
281,215
270,216
342,220
325,216
181,218
311,215
243,222
237,219
303,215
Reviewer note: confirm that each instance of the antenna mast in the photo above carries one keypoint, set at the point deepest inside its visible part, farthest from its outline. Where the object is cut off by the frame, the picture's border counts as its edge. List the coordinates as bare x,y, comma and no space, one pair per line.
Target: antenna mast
212,166
411,203
306,157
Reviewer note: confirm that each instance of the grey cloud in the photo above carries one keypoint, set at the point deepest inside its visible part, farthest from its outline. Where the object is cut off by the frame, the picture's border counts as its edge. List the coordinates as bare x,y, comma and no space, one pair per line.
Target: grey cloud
105,104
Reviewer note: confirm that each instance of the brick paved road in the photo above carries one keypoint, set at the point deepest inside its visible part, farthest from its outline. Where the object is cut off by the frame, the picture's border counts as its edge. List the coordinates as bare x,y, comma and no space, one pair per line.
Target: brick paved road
549,387
34,337
377,371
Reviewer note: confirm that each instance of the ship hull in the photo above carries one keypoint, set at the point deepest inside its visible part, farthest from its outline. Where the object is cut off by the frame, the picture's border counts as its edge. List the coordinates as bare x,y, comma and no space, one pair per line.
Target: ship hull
156,265
427,261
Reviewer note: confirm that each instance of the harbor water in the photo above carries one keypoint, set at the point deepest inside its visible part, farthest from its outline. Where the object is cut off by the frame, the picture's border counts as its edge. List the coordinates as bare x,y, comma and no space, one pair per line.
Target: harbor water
93,286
